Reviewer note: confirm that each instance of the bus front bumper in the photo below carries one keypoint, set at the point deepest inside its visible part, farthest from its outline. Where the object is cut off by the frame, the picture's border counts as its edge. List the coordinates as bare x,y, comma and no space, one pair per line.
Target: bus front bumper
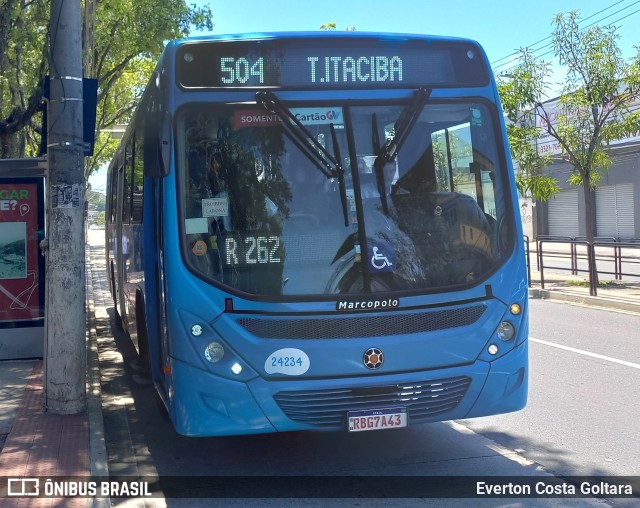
208,405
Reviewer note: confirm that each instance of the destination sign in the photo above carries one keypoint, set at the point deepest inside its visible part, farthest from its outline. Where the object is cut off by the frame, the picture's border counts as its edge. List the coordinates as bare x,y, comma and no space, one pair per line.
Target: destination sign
248,250
329,63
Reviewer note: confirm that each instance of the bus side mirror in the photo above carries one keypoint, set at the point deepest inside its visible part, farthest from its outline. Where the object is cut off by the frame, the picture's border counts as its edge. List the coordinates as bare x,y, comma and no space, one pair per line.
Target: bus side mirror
157,145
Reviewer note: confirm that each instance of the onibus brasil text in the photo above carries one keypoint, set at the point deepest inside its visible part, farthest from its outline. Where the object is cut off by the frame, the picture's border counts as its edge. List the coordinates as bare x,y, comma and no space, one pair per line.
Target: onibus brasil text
35,487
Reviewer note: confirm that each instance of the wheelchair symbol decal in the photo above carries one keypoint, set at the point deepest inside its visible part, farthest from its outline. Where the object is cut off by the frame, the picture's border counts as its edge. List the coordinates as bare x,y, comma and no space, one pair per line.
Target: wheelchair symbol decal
381,261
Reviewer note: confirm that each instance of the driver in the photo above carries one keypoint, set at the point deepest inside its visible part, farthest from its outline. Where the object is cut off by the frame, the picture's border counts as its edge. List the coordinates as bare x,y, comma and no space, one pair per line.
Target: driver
368,181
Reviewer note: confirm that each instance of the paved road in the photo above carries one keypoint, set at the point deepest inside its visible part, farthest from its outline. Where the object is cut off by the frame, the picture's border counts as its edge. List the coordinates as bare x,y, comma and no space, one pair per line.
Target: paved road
583,416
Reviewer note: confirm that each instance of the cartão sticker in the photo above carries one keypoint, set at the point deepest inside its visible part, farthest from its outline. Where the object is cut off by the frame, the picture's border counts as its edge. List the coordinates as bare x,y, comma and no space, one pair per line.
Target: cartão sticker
319,116
287,361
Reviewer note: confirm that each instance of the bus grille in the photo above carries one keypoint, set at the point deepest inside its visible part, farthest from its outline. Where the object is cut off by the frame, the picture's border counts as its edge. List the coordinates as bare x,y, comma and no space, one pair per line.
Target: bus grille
328,408
361,326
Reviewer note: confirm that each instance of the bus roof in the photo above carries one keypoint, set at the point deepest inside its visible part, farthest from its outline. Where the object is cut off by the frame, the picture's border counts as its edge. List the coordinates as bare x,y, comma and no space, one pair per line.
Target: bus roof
321,34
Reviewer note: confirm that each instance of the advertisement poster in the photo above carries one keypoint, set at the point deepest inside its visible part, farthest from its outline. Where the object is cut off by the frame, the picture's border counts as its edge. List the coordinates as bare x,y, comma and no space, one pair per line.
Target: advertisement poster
21,264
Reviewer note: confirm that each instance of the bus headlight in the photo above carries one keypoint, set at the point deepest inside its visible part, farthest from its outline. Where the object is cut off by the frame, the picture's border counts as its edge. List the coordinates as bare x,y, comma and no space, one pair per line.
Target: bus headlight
214,352
505,331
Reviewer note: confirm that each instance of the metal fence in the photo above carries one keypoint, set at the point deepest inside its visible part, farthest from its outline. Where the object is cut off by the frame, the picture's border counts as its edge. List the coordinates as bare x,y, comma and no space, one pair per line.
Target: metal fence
617,257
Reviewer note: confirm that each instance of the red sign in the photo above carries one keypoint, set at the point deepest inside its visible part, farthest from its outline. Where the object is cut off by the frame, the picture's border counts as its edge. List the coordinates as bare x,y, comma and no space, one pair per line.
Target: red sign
21,264
254,118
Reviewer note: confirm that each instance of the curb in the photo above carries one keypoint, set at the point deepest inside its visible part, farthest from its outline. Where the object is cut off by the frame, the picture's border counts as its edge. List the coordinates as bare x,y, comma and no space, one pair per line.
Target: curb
590,301
98,460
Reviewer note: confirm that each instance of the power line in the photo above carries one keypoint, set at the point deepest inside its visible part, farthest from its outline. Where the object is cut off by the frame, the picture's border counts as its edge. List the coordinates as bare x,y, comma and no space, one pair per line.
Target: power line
549,36
614,13
549,52
600,20
594,23
585,19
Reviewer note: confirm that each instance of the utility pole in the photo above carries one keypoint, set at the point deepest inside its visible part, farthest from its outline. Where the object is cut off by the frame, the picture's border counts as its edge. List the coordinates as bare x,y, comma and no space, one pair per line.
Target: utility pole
65,314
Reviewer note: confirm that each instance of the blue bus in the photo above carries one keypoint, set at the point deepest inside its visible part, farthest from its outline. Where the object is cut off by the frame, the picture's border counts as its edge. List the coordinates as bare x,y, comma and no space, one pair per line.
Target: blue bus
320,231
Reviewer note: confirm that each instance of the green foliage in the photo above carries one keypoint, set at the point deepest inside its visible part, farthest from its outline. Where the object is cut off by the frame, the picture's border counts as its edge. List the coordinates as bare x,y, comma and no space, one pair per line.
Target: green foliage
100,218
123,39
543,187
594,107
593,110
522,88
519,92
23,48
333,26
129,37
96,198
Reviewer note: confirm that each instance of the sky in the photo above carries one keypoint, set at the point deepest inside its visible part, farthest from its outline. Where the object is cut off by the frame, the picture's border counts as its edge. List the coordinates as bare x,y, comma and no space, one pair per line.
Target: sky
500,26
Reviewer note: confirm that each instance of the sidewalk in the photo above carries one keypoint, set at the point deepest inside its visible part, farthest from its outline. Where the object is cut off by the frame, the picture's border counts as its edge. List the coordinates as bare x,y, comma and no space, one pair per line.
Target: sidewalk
615,295
559,284
39,444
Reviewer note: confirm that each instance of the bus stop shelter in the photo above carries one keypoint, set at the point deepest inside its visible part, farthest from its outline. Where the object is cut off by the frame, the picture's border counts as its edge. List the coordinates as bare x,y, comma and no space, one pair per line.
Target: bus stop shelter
22,265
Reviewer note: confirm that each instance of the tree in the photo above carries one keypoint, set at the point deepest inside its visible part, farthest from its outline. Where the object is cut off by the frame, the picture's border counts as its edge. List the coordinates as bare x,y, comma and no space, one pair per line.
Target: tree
24,53
128,39
332,26
594,109
122,41
518,93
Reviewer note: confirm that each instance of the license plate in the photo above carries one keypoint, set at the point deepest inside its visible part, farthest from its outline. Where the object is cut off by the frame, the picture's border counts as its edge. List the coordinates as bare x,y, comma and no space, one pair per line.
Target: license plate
376,419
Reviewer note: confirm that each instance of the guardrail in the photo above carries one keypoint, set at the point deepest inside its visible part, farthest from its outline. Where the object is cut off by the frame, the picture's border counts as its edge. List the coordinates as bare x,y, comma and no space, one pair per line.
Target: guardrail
585,256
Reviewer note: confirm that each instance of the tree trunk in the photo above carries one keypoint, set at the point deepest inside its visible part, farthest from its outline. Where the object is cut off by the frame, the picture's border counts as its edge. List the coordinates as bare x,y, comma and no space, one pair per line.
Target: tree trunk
590,233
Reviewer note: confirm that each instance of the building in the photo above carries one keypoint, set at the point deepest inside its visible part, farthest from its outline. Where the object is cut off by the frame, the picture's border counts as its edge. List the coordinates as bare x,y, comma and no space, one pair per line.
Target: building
617,197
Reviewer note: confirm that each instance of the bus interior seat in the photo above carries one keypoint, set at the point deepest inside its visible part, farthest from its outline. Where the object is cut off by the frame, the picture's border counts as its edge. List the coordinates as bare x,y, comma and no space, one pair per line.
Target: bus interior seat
432,214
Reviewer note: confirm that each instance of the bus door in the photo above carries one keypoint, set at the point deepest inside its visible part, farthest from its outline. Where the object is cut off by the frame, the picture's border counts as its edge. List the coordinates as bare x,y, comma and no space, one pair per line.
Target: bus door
111,234
120,304
160,339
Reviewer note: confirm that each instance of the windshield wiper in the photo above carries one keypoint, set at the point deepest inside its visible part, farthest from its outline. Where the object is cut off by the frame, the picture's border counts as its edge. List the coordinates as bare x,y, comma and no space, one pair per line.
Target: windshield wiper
341,185
328,164
402,128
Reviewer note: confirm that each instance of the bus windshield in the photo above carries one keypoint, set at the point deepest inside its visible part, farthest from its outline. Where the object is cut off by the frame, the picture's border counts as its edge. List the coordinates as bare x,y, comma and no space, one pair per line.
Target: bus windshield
261,216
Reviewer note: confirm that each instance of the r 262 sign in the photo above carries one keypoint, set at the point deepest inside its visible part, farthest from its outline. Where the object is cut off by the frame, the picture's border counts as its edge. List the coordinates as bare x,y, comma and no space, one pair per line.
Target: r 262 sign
253,250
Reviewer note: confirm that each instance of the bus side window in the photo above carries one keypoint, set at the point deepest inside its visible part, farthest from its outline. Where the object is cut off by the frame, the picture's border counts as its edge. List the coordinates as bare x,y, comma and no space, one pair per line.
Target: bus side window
138,181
